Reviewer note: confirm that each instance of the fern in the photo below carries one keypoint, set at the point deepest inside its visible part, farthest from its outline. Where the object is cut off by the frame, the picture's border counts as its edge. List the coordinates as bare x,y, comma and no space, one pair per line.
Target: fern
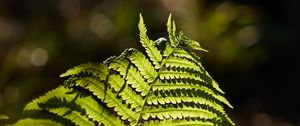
36,122
166,85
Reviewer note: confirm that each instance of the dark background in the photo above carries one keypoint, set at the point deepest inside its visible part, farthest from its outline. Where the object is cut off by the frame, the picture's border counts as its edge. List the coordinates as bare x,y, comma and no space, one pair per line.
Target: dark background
254,48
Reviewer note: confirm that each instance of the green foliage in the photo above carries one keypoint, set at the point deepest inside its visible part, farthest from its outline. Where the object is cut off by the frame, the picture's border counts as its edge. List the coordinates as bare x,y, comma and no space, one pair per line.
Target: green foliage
4,117
165,86
36,122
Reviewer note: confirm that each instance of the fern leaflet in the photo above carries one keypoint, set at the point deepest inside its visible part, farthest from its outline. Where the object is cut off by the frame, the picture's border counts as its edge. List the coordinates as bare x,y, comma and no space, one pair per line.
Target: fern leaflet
36,122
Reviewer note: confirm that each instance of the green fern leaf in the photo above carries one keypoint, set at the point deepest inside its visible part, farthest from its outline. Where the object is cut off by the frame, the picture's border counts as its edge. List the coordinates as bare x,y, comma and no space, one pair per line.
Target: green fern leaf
133,77
169,73
72,115
92,68
182,63
184,54
173,74
36,122
165,86
168,50
177,111
194,45
192,88
171,28
144,66
91,107
97,88
149,45
34,105
181,122
154,100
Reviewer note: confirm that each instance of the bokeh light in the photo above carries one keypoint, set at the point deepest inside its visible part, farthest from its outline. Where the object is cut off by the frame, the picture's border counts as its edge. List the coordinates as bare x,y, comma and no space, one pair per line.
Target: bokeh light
39,57
254,48
248,36
23,58
102,26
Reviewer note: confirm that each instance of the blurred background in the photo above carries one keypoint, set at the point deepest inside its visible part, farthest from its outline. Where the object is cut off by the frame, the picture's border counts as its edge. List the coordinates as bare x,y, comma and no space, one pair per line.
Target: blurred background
254,48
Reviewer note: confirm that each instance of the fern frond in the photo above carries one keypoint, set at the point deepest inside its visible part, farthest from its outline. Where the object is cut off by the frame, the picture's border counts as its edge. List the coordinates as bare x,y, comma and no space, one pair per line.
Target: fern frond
182,63
127,94
191,88
191,44
178,122
92,68
116,82
178,111
93,84
122,109
143,65
169,73
183,54
152,51
165,93
171,28
154,100
97,88
36,122
91,107
131,74
168,50
166,85
215,84
34,104
72,115
173,74
97,113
